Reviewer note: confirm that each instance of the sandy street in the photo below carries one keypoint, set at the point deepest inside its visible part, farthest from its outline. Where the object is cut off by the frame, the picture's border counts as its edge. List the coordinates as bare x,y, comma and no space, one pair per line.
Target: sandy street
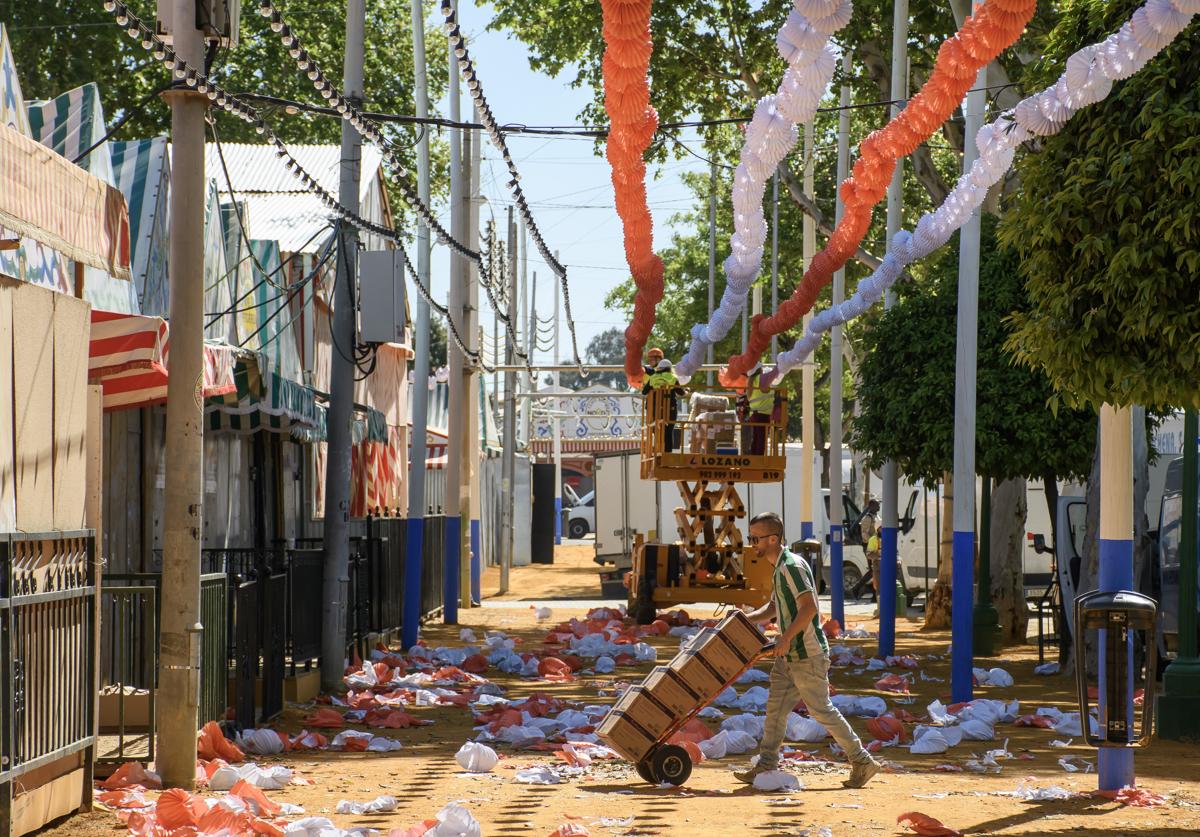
610,799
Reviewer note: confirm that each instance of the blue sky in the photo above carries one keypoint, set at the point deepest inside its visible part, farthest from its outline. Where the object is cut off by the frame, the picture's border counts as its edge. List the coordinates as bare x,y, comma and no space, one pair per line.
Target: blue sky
566,184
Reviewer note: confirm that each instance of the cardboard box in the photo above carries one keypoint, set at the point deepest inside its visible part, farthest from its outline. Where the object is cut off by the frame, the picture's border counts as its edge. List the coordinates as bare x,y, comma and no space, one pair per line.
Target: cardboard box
137,709
302,687
671,690
694,667
742,634
625,735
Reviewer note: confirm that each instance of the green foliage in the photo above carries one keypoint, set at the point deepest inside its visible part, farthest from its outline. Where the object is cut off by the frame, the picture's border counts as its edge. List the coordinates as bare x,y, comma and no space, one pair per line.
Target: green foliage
606,348
61,44
1107,225
907,383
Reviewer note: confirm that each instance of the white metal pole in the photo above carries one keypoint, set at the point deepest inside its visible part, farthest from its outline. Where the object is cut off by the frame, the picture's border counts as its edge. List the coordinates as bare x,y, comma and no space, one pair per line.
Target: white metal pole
475,381
1115,766
341,383
508,472
808,423
837,592
452,502
963,545
556,426
775,254
712,249
895,197
415,527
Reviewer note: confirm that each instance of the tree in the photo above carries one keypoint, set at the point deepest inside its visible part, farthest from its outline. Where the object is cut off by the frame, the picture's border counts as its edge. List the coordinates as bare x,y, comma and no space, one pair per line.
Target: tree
907,392
1108,229
61,44
606,348
437,343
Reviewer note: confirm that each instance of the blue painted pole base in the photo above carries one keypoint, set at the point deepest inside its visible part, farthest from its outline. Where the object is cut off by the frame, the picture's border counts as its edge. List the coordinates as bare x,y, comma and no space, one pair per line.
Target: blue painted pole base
558,521
411,615
962,622
887,583
837,591
1114,767
451,569
476,564
806,529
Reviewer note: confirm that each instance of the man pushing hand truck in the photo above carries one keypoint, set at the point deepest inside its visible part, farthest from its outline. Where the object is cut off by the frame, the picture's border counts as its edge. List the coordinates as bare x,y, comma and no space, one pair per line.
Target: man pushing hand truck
801,669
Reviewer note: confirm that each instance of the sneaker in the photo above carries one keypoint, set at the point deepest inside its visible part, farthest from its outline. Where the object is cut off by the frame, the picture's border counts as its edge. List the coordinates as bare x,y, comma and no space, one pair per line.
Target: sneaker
747,776
860,773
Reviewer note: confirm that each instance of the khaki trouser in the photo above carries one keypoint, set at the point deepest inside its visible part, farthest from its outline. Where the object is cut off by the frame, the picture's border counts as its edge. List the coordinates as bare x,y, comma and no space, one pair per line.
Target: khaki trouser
806,680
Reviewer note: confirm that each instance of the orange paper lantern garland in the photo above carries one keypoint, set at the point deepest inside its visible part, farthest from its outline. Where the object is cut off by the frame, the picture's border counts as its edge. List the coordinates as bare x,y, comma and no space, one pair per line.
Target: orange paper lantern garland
983,35
627,48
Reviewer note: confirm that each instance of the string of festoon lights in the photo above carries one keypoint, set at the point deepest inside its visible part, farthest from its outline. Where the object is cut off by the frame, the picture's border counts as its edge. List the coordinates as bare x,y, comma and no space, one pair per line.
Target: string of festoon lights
1087,79
194,78
983,36
371,131
803,42
470,77
633,121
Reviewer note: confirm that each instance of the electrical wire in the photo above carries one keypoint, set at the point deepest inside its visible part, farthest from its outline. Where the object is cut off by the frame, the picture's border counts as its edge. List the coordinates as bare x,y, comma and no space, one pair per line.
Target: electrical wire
189,77
581,131
370,130
120,123
237,208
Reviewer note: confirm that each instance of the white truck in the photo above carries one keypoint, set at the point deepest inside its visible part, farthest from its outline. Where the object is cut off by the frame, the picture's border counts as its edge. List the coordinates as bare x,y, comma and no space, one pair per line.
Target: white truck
626,505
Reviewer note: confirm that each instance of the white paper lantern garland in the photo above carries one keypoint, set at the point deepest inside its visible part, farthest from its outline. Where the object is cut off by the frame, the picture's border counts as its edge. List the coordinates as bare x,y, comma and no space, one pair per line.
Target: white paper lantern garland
1087,79
803,41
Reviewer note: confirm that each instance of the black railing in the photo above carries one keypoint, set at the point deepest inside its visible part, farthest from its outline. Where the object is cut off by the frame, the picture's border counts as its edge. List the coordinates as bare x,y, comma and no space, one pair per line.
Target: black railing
129,611
262,615
47,656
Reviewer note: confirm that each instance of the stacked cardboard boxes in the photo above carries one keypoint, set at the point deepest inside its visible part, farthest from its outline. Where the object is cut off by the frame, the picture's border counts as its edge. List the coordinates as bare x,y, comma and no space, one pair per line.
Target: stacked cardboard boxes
646,714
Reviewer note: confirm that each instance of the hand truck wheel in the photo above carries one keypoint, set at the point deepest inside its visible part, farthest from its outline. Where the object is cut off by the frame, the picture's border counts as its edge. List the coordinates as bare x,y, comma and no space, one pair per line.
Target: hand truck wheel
645,771
671,763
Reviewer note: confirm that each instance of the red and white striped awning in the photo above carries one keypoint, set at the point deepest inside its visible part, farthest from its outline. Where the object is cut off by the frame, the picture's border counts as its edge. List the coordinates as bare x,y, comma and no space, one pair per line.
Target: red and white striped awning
52,201
129,357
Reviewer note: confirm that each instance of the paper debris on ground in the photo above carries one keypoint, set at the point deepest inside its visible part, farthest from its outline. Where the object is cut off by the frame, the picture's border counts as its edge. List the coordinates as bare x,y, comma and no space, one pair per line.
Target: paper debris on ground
926,825
474,757
777,780
378,805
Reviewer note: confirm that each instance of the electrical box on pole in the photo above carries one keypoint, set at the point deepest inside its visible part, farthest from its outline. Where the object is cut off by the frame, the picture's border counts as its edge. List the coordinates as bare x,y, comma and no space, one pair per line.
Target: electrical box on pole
218,20
382,308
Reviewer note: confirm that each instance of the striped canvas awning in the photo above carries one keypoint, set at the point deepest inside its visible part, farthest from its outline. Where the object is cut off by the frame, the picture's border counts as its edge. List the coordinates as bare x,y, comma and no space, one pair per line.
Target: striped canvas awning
129,357
56,203
263,401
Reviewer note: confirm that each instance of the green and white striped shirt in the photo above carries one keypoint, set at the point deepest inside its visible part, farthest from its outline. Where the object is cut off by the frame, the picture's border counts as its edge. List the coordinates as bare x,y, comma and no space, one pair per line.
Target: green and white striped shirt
792,579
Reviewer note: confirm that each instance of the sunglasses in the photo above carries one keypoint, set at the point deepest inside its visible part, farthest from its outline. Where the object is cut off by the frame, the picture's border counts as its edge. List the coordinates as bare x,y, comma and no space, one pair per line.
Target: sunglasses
754,539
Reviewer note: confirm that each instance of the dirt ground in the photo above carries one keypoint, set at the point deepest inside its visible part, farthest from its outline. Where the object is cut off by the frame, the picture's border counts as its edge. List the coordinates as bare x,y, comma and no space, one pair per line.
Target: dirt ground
424,775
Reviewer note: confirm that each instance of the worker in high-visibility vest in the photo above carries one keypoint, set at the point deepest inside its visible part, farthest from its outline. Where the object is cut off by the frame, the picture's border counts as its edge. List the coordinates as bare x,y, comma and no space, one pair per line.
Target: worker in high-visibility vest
757,405
662,387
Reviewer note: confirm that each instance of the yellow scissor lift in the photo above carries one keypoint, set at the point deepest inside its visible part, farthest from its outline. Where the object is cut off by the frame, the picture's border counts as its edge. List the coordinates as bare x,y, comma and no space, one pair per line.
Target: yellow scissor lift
710,451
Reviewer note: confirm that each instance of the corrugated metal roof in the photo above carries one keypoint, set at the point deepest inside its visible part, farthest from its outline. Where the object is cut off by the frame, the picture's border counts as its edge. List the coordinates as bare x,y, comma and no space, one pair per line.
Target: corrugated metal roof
257,168
291,218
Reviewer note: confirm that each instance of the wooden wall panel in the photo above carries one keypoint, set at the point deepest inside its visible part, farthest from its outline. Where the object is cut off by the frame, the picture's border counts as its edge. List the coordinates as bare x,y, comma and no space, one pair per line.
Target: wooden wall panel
8,479
33,394
72,331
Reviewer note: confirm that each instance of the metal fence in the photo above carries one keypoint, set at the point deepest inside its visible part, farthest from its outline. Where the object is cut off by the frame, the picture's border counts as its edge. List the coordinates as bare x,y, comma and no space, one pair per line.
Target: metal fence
261,612
130,607
47,656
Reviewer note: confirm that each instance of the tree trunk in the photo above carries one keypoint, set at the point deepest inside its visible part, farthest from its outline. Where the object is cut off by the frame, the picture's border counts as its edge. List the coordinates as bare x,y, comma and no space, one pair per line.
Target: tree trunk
937,608
1007,543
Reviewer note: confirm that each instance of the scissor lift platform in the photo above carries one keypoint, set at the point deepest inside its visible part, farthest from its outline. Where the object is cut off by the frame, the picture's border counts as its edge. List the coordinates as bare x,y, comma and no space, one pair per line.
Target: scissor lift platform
705,455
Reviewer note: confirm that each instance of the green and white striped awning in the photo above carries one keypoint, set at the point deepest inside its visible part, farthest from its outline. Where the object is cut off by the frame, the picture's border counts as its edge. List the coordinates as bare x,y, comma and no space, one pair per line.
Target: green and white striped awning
264,402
